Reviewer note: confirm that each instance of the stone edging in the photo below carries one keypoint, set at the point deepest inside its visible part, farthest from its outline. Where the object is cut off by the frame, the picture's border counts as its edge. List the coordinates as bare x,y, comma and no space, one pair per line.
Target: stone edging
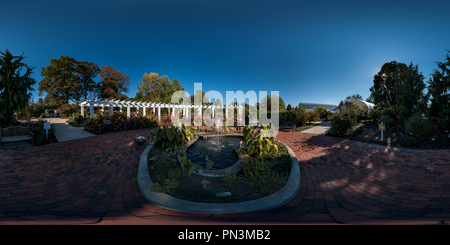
162,200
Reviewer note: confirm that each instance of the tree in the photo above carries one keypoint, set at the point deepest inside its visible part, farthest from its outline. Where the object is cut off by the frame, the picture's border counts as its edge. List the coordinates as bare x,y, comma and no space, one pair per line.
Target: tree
201,99
112,83
356,96
61,79
289,107
14,87
409,94
267,102
439,90
87,72
157,88
370,99
385,84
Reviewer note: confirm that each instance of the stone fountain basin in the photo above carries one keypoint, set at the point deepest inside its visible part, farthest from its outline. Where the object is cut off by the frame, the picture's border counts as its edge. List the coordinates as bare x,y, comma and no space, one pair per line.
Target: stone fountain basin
236,167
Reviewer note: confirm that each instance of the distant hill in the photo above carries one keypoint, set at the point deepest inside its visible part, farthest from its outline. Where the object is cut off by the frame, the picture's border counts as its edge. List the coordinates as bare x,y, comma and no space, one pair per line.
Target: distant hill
328,107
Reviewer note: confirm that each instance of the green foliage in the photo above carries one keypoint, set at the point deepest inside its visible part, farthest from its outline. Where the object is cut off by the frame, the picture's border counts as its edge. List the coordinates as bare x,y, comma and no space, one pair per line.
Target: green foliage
406,140
68,109
409,93
256,142
36,109
113,83
322,112
39,133
438,88
230,180
205,184
119,123
375,113
417,125
166,173
312,116
388,111
79,119
283,165
158,88
60,79
171,138
385,83
386,120
259,174
344,120
14,87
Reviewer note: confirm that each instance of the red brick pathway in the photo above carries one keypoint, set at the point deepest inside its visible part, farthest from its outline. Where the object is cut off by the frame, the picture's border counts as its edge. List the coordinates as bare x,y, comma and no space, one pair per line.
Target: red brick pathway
93,181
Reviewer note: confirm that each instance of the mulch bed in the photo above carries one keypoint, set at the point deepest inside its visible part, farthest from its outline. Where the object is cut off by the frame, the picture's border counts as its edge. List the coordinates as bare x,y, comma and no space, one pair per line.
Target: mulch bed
369,133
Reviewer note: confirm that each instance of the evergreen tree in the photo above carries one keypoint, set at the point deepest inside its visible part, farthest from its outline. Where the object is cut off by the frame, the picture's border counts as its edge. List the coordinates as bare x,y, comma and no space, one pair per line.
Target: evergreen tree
439,90
356,96
385,84
14,87
409,94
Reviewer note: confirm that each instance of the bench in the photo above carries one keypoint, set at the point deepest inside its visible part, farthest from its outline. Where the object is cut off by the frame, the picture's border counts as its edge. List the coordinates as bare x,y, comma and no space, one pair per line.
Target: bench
15,133
288,125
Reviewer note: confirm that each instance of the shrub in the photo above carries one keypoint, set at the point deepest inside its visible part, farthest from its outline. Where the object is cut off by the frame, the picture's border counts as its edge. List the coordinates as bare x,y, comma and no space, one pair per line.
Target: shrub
388,111
417,125
406,140
342,122
171,138
283,165
256,143
259,174
37,109
312,116
321,111
374,114
386,120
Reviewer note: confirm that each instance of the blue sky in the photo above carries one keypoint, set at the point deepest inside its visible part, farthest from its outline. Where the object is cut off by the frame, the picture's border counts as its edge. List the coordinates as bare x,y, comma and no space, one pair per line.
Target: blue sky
310,51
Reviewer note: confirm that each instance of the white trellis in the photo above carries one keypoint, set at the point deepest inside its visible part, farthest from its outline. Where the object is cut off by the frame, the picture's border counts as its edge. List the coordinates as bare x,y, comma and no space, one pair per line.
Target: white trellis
133,104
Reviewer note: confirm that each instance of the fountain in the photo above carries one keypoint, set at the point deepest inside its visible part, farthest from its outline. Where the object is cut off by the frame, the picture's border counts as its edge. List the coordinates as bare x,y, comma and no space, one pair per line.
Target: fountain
218,147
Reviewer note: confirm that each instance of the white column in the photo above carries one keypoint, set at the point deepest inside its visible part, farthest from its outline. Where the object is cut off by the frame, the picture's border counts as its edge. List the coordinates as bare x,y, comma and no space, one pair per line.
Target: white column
92,110
159,113
143,113
111,110
82,111
128,111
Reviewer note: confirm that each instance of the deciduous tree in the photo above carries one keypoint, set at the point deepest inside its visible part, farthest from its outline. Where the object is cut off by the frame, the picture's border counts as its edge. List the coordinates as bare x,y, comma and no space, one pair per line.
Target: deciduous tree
113,83
87,72
157,88
61,79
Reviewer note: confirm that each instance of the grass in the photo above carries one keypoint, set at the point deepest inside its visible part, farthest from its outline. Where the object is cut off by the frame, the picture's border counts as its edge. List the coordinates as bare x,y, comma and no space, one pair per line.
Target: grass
305,127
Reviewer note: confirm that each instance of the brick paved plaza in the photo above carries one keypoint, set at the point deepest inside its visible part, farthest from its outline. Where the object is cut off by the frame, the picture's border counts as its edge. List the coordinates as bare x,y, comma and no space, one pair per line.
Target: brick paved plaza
93,181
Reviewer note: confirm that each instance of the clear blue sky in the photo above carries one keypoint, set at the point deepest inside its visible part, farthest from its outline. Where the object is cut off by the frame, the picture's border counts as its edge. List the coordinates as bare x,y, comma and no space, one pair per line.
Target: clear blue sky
310,51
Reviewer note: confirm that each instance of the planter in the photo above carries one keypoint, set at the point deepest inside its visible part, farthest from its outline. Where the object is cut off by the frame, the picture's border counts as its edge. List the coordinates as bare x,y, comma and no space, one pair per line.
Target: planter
140,140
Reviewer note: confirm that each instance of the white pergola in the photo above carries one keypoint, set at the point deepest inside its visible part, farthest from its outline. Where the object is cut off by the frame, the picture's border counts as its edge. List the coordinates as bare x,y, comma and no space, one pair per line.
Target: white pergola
133,104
